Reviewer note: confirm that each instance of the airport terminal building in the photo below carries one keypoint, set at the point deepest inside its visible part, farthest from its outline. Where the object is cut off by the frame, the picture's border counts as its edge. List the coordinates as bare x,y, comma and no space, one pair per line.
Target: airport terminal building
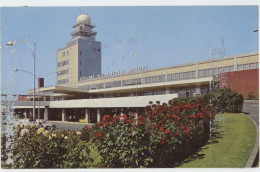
83,92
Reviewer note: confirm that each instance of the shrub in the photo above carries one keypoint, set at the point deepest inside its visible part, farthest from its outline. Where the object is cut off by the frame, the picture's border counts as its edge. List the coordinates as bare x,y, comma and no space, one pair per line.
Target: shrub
4,156
122,142
225,100
178,129
251,96
34,148
158,138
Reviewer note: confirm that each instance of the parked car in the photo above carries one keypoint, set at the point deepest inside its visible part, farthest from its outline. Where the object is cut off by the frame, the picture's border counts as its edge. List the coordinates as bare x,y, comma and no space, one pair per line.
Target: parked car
46,125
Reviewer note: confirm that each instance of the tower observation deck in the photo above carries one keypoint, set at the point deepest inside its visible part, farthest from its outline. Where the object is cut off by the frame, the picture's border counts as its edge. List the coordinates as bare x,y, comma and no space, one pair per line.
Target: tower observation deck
83,28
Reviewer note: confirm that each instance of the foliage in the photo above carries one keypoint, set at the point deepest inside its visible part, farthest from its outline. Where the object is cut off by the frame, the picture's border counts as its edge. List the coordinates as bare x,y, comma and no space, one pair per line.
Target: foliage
4,156
225,100
177,129
161,136
122,142
34,148
251,96
157,138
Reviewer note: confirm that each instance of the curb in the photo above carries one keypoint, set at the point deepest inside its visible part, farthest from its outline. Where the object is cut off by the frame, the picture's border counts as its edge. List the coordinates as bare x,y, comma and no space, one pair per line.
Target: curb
254,156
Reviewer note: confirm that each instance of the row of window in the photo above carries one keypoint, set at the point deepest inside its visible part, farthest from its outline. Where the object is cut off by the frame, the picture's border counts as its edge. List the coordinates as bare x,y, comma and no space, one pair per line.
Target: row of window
154,79
248,66
173,77
94,49
113,84
135,81
63,81
63,63
214,71
93,86
63,72
182,75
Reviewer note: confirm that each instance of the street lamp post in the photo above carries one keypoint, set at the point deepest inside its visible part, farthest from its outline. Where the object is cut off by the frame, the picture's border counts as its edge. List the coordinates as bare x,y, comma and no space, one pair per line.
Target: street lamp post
34,46
11,43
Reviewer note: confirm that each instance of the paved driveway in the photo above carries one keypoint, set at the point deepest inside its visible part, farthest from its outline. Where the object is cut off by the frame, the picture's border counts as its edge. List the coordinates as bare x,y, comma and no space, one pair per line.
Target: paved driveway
69,125
251,108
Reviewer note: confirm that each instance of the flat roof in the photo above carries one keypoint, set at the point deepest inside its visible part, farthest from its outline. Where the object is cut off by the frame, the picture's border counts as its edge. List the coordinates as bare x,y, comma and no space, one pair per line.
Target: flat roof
122,89
60,89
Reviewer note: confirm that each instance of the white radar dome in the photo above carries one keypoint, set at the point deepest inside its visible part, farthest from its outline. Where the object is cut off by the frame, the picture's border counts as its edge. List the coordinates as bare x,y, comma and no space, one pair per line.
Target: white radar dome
84,19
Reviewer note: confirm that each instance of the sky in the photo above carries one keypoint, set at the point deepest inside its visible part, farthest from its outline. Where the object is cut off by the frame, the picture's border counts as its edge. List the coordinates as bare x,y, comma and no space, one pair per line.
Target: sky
131,37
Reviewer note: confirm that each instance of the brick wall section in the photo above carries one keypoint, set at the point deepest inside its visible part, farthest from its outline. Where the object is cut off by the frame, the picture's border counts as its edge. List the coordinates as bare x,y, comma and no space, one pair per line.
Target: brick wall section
244,81
22,98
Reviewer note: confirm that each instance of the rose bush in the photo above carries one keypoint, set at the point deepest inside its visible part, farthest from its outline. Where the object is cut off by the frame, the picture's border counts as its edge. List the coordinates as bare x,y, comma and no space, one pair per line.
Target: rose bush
122,141
155,138
39,148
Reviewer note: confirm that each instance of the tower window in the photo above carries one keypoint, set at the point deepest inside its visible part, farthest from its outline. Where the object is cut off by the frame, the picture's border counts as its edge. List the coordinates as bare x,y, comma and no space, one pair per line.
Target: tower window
80,73
80,63
98,50
80,53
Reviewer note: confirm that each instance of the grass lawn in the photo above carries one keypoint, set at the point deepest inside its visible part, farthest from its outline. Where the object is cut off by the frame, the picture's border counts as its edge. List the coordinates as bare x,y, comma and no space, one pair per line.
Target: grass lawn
230,146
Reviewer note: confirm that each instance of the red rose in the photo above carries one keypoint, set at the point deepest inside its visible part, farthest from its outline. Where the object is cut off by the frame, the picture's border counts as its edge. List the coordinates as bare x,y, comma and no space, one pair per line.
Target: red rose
99,123
123,117
188,129
105,124
140,117
116,117
167,131
199,133
140,123
106,118
87,127
177,133
98,135
161,129
133,114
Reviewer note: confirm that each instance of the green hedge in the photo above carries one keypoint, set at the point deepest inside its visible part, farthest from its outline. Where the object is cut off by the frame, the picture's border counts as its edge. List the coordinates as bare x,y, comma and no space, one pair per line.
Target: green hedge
225,100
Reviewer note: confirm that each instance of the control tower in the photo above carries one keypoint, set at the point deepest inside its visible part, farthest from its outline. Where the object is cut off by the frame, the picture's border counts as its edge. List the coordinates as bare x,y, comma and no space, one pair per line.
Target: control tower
81,57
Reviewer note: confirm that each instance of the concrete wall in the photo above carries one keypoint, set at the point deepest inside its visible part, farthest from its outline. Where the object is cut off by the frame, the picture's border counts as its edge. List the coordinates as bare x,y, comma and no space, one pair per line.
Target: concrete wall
244,81
140,101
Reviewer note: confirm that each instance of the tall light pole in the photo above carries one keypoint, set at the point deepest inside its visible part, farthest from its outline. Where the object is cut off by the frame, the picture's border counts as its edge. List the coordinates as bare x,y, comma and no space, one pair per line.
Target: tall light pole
11,43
